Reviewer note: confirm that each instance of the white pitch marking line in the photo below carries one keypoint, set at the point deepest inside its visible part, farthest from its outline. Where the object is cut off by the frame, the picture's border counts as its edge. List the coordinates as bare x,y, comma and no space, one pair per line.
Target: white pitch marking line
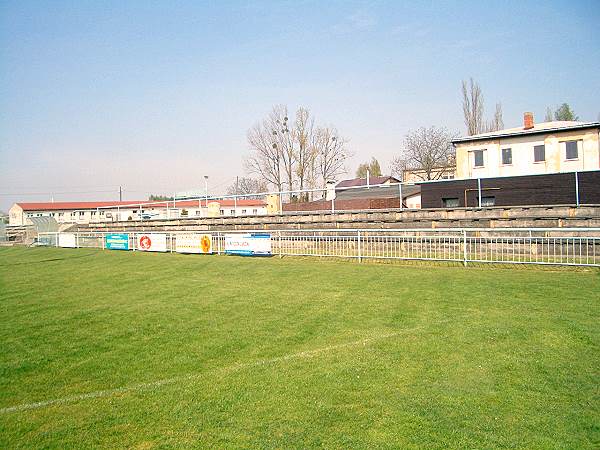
166,381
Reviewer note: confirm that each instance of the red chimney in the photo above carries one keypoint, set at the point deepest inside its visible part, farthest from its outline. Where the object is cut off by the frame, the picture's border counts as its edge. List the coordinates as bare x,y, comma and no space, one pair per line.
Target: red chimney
528,120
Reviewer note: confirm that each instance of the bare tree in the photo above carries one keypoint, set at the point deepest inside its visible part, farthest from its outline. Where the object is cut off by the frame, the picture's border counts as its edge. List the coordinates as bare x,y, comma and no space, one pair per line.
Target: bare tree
473,107
294,153
330,154
549,115
497,123
285,141
304,152
425,151
247,185
266,159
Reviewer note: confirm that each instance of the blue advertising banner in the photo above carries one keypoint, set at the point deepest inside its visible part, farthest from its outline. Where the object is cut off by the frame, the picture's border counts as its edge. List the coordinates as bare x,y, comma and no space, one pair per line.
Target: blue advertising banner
249,244
117,241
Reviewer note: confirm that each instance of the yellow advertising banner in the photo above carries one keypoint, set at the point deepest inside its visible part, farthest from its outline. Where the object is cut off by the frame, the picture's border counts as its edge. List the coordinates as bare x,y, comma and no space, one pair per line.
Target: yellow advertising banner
193,243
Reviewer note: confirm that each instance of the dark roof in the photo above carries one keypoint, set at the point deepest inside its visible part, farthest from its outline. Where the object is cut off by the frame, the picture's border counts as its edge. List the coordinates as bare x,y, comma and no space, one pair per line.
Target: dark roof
363,181
377,192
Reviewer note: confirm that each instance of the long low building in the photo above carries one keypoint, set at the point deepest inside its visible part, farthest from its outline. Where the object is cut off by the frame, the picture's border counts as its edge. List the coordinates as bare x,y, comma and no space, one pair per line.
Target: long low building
115,211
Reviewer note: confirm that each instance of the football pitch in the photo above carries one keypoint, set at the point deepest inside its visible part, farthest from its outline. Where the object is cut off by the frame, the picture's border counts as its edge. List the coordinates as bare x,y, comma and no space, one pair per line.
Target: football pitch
138,350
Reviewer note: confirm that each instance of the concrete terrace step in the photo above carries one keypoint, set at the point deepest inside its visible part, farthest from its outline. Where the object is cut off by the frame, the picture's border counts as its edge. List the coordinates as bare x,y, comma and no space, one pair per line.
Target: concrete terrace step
530,216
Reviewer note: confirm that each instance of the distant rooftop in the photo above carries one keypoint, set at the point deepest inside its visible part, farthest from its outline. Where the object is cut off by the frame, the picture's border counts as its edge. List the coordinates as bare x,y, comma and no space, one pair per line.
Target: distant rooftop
542,127
363,181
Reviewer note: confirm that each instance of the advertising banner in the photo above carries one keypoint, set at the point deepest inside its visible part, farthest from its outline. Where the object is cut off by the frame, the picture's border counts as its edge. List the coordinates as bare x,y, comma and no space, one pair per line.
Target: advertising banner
117,241
250,244
193,243
67,240
152,242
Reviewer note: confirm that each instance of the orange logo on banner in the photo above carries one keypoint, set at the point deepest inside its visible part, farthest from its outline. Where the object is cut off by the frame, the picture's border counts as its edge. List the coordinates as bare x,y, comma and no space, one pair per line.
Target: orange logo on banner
145,242
205,244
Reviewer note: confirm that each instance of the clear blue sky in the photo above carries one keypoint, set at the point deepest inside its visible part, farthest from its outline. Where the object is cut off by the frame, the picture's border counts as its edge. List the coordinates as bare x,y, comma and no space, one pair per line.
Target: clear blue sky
154,95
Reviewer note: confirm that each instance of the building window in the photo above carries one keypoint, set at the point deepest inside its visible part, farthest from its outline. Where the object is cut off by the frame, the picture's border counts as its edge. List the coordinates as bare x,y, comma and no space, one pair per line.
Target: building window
61,214
507,156
450,203
243,211
571,150
81,213
539,153
478,158
232,212
255,211
488,201
222,212
101,213
198,212
93,213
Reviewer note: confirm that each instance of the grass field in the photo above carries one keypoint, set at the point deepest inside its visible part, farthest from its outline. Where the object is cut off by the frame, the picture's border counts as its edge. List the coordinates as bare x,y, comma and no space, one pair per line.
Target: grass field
121,349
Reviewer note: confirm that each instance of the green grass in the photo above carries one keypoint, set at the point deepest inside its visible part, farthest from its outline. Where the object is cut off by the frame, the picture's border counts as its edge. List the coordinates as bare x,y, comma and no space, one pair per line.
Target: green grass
293,353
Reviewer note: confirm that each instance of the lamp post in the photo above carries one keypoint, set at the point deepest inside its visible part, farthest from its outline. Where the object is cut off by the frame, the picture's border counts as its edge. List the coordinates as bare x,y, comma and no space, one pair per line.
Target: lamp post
206,190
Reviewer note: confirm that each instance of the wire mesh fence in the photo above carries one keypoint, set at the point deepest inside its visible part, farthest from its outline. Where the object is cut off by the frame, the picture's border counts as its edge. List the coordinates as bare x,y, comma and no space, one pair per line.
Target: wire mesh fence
555,246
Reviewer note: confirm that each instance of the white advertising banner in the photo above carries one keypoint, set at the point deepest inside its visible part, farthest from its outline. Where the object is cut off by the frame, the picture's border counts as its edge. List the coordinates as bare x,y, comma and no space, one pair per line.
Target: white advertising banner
152,242
250,244
67,240
193,243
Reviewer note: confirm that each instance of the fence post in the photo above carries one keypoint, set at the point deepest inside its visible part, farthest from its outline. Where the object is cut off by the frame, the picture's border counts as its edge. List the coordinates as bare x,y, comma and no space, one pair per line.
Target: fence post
171,235
577,188
76,240
57,234
279,244
218,243
479,190
465,248
400,193
359,248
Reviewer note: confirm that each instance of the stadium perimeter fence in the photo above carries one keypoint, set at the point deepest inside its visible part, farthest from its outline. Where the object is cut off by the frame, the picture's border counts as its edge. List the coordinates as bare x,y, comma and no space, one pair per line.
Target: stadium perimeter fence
541,246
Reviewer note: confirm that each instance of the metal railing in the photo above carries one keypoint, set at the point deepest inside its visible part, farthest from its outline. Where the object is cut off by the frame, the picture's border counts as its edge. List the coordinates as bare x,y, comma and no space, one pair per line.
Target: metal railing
542,246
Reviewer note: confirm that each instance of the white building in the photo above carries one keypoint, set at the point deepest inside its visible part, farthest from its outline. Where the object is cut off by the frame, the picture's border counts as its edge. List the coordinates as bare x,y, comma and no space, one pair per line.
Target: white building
548,147
89,212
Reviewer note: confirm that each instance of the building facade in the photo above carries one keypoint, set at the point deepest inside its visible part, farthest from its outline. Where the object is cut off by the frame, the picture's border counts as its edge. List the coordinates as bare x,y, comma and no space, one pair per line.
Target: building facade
89,212
549,147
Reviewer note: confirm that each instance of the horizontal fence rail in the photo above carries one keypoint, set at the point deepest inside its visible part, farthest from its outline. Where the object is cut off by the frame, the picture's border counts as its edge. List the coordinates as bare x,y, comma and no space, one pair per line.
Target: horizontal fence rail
543,246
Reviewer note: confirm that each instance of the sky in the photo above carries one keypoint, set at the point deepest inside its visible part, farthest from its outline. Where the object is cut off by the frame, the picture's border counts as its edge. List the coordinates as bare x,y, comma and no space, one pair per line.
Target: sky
152,96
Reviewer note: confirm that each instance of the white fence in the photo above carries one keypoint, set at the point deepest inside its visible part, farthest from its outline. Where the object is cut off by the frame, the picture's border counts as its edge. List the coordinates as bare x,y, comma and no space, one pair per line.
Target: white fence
544,246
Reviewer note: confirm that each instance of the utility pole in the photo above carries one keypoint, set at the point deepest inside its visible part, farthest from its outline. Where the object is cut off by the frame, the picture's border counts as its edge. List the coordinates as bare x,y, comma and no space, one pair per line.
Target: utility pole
120,194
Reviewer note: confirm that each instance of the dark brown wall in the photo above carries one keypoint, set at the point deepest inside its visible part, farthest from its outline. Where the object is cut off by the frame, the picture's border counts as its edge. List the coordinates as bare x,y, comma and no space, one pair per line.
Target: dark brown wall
547,189
589,187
